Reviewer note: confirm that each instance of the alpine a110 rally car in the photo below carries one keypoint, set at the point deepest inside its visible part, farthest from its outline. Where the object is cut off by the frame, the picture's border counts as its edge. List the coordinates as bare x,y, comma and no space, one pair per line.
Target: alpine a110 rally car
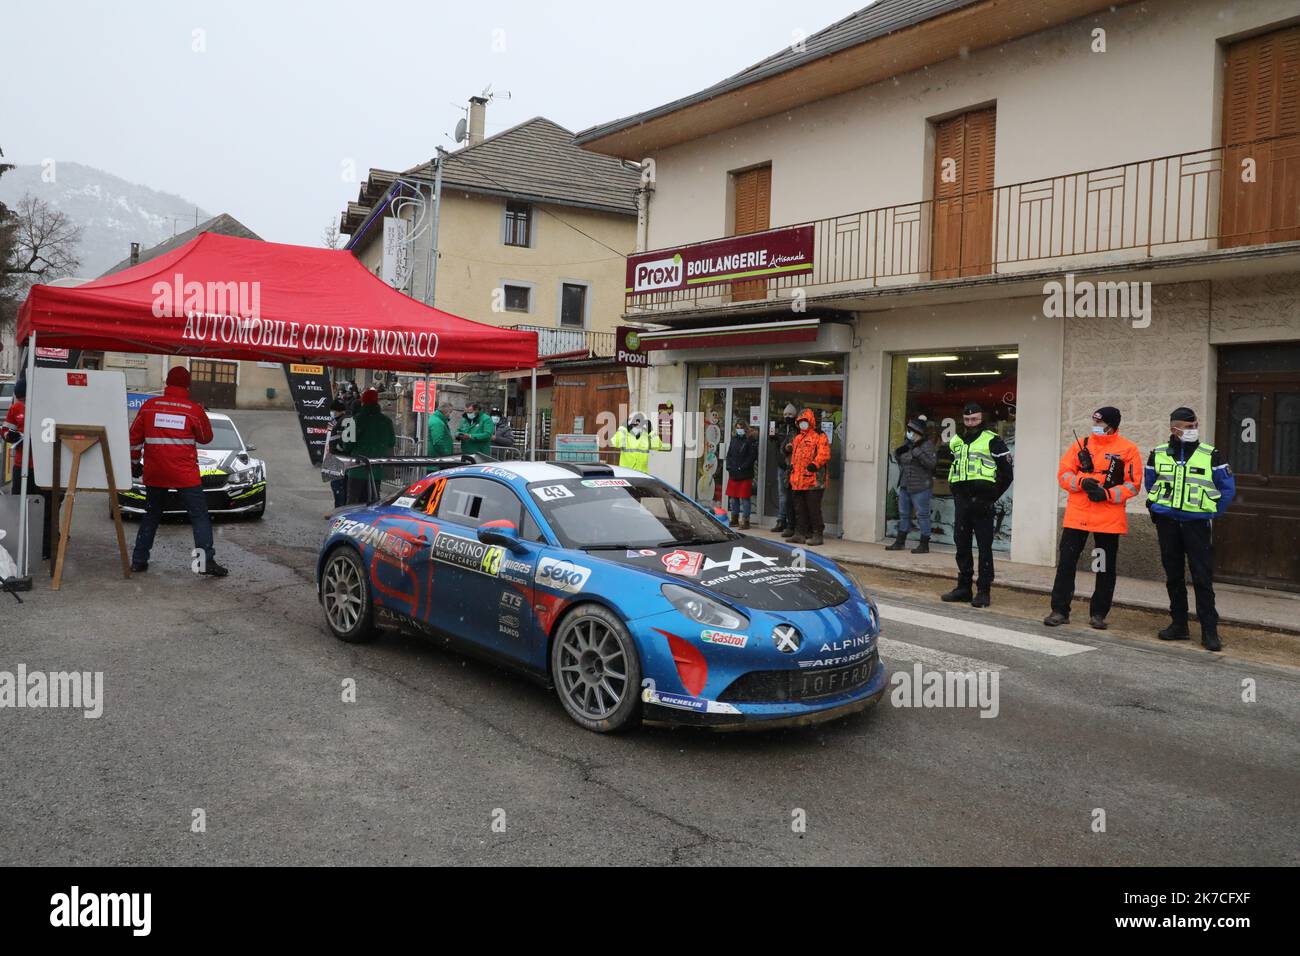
629,599
233,481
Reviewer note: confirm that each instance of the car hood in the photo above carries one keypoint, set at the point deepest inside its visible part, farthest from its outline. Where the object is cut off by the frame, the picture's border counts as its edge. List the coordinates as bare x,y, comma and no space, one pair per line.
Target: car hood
751,572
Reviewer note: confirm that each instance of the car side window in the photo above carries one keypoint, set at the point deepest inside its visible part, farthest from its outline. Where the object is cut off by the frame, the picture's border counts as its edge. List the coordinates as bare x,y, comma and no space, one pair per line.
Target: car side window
471,501
529,530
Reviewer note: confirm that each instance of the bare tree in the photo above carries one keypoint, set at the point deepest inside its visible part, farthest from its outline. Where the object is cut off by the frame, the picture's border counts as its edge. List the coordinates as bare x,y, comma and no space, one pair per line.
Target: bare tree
330,237
44,243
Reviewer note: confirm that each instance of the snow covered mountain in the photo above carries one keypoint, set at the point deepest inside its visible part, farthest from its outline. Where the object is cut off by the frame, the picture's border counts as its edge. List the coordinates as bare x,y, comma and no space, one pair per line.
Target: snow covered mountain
112,212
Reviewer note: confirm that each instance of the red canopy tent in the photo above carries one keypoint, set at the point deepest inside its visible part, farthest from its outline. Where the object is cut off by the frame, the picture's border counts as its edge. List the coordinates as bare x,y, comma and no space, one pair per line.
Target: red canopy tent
224,297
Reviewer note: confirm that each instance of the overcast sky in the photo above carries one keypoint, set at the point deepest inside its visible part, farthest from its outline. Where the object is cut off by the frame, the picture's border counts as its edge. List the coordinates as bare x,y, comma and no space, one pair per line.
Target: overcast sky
260,122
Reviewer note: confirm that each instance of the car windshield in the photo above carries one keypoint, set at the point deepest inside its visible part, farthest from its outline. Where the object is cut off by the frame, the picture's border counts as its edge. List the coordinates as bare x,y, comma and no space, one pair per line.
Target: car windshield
224,436
623,512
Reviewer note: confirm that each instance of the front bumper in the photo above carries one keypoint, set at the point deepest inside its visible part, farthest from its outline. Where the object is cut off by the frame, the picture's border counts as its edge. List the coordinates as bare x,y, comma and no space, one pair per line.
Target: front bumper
228,499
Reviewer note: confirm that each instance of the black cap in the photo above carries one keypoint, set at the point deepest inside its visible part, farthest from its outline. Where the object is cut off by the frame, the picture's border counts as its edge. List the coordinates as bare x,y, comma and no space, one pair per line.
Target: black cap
917,424
972,408
1108,414
1182,414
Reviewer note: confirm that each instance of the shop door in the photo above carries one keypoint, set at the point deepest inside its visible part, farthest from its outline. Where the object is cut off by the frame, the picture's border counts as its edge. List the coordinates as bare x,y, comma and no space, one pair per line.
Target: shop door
964,148
722,406
825,397
212,383
1255,542
1261,129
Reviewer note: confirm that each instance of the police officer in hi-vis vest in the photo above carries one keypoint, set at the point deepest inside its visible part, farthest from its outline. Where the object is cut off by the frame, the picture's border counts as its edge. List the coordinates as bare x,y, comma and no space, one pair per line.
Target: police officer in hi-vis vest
980,473
1188,485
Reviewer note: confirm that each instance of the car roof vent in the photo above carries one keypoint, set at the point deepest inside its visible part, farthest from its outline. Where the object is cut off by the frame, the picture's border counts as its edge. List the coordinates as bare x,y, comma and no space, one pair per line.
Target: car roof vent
586,469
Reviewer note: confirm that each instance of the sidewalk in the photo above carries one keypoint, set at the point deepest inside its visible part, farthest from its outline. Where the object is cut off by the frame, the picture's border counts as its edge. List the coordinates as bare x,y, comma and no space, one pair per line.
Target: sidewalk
1278,610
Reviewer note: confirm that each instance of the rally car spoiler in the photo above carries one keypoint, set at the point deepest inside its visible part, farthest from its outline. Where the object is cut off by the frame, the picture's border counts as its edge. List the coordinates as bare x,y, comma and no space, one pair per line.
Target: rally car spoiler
404,469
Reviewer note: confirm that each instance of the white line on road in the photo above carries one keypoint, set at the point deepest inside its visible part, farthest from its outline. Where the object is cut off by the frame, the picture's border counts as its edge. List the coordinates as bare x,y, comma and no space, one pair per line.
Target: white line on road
928,655
982,632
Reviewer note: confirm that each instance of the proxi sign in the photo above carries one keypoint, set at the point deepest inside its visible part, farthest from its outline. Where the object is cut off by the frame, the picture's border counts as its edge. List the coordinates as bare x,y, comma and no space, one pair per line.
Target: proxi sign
757,255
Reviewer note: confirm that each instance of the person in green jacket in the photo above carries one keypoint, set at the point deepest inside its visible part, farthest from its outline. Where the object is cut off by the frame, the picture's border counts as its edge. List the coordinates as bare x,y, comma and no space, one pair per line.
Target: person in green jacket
440,440
475,432
373,437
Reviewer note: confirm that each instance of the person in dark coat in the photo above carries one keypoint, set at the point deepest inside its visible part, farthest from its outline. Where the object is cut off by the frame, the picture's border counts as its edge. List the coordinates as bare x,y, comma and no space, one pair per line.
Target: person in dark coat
742,458
334,445
504,436
783,435
916,459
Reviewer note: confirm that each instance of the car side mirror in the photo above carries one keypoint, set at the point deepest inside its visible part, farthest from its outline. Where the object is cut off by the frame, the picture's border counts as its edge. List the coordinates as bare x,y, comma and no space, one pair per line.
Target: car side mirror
243,456
722,517
503,534
251,447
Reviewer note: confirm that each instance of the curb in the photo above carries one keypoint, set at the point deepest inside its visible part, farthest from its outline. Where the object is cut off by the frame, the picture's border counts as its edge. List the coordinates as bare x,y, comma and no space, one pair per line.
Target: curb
1025,588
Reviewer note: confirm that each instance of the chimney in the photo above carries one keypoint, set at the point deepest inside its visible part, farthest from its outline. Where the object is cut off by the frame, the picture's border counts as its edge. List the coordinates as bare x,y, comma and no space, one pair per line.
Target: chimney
477,115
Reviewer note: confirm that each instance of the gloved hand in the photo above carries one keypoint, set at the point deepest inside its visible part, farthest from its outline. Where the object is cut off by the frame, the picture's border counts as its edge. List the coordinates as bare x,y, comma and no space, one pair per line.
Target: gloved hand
1092,487
812,469
137,469
1085,459
898,452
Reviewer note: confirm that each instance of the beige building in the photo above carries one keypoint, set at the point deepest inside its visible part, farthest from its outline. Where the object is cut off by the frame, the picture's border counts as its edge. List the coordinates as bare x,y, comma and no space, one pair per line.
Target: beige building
533,233
1044,205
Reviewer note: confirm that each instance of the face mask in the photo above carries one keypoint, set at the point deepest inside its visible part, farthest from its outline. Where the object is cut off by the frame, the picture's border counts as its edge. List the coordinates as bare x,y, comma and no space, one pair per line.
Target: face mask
1099,429
496,419
789,418
471,415
1191,434
803,426
636,430
740,433
912,436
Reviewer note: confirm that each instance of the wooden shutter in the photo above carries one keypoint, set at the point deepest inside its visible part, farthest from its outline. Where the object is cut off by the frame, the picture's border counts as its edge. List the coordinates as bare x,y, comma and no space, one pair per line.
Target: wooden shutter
963,203
753,212
1261,122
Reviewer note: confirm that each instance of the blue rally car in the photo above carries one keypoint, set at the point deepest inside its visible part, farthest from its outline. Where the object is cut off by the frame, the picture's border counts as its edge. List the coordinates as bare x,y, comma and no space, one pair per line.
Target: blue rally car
628,598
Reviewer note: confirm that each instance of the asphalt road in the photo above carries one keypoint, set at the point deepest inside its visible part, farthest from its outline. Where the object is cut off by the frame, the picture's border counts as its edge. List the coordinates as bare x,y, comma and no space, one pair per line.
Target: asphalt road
226,696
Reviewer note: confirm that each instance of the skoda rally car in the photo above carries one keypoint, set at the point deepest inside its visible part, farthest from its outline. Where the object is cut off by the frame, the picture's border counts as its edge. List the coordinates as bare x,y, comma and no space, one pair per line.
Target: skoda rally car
629,599
233,481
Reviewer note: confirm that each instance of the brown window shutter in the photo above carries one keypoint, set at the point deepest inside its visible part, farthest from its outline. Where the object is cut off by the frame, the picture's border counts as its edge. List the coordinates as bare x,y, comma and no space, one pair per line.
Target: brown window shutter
753,213
962,242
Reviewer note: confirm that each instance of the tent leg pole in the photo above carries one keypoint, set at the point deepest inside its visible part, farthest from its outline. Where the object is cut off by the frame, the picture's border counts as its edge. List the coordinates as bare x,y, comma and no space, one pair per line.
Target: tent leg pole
423,419
24,532
532,418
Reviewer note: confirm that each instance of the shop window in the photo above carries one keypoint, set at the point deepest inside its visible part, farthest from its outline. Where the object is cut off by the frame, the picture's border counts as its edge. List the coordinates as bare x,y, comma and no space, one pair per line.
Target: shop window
731,369
820,365
937,385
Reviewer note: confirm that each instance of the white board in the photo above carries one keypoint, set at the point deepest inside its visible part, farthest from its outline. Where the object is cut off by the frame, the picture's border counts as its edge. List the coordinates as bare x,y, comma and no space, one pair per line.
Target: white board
59,399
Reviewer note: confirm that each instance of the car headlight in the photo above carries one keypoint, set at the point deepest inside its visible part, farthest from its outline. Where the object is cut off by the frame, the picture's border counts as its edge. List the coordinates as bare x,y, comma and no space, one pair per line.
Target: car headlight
703,609
246,476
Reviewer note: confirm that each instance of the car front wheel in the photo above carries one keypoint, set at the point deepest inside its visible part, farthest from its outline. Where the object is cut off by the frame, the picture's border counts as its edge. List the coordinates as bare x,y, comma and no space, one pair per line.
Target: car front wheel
345,596
596,670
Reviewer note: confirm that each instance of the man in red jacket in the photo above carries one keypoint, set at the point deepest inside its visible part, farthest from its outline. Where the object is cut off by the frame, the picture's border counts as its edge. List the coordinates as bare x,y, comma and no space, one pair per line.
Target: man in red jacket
167,432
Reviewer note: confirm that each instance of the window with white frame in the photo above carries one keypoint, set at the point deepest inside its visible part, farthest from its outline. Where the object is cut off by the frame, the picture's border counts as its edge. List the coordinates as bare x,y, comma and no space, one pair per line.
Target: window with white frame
517,298
573,305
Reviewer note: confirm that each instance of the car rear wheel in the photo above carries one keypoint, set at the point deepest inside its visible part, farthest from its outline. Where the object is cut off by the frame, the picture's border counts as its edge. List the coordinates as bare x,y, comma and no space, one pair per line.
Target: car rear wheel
596,669
345,596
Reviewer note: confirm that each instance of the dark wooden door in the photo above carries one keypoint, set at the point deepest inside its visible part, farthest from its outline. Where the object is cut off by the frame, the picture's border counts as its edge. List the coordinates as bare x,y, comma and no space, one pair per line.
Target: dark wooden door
1257,542
1261,140
965,148
753,213
212,383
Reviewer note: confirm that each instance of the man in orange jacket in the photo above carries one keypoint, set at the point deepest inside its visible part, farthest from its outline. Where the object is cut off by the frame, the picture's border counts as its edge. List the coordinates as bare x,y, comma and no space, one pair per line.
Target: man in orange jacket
810,453
1101,473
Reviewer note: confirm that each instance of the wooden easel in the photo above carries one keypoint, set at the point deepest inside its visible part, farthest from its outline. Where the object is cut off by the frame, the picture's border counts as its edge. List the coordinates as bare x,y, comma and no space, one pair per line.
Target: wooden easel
80,439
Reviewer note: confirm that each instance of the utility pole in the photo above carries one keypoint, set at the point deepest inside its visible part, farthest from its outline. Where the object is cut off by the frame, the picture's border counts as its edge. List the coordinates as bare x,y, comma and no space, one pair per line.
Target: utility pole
431,284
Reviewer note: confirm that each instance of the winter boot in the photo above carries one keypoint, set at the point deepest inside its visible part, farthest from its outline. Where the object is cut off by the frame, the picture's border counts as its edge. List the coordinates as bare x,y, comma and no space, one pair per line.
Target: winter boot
1056,619
900,542
815,539
960,593
1174,632
744,524
1210,639
795,538
924,546
981,598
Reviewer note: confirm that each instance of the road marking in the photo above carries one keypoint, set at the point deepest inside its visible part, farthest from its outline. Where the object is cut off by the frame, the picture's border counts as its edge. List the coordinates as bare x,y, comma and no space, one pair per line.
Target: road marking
983,632
940,659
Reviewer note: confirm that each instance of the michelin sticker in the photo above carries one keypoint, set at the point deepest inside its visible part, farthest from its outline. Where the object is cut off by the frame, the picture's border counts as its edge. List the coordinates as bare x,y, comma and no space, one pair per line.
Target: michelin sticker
561,575
683,702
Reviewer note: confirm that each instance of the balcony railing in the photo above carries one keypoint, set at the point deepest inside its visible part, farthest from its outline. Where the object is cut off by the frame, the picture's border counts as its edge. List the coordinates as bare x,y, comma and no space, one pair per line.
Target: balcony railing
1172,205
560,341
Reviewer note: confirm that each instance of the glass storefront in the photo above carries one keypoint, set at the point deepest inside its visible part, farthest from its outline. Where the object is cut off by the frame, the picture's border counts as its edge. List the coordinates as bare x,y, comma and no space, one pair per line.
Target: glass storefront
756,393
937,385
